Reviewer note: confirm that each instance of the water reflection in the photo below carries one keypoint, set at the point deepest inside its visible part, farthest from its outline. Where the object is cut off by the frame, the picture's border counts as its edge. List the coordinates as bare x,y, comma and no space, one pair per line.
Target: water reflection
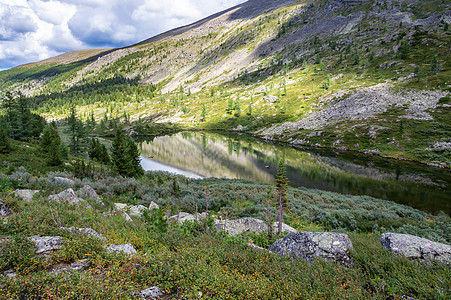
216,155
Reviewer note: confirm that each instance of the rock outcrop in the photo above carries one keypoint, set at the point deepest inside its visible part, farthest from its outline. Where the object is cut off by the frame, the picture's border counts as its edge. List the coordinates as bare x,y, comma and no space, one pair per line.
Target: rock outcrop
251,225
130,210
26,195
414,247
182,217
68,196
151,293
330,246
5,210
88,193
86,231
153,205
125,249
46,243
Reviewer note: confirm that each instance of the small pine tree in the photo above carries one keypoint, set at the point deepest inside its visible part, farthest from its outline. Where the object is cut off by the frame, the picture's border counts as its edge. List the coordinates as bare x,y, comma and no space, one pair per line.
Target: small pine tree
204,113
54,156
282,185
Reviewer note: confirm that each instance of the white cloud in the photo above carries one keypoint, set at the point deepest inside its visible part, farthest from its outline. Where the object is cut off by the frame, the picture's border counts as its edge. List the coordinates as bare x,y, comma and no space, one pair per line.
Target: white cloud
37,29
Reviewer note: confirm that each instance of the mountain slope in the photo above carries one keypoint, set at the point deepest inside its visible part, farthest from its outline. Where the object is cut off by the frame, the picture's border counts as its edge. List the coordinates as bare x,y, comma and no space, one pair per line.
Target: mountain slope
365,75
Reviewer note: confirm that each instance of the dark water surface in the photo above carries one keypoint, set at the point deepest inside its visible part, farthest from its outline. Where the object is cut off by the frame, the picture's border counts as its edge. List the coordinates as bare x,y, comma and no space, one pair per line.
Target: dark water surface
240,156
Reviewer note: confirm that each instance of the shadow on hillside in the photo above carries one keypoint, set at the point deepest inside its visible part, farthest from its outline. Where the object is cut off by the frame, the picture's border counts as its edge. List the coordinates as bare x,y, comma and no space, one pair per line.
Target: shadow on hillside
247,10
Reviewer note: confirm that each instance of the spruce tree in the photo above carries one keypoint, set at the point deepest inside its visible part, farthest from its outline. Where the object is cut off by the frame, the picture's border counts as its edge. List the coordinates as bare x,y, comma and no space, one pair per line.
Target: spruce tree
282,185
125,156
5,145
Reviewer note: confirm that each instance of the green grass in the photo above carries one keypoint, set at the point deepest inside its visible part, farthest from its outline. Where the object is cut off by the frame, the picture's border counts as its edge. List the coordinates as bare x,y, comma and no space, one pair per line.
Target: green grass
172,259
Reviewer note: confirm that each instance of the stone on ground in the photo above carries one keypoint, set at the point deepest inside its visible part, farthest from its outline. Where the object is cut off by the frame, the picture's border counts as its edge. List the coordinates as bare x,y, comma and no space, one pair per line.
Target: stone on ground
252,225
46,243
414,247
87,231
125,249
151,293
330,246
153,205
68,196
88,193
26,195
182,217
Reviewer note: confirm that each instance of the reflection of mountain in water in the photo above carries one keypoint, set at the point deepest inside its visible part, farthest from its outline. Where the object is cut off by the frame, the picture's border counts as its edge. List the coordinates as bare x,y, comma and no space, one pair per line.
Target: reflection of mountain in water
214,155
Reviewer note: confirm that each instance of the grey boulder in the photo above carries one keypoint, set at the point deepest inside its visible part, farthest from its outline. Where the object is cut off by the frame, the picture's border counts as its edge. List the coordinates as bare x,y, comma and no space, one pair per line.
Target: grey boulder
182,217
151,293
68,196
130,210
125,249
330,246
252,225
86,231
5,210
47,243
414,247
88,193
153,205
26,195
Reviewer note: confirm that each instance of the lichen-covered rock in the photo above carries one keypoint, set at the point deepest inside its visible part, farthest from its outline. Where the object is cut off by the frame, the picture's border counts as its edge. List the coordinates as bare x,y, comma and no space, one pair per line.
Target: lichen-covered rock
26,195
125,249
285,228
5,210
153,205
151,293
182,217
88,193
330,246
68,196
252,225
87,231
130,210
47,243
414,247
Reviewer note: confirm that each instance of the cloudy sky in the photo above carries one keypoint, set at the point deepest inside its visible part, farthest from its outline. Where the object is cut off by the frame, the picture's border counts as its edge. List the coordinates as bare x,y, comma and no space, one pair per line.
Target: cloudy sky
32,30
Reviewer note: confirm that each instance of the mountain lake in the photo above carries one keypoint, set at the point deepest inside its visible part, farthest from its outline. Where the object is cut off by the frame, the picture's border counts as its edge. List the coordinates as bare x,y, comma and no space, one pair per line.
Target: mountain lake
240,156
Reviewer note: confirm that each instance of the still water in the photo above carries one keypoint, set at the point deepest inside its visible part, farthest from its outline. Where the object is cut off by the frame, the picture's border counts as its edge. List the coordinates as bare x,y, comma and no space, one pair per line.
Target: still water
200,155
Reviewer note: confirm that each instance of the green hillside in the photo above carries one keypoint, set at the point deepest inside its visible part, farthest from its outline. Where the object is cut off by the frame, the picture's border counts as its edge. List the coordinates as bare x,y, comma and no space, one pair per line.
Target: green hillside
371,76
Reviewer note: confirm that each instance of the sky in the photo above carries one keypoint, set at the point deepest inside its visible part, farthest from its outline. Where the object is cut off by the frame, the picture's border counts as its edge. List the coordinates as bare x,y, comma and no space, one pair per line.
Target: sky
33,30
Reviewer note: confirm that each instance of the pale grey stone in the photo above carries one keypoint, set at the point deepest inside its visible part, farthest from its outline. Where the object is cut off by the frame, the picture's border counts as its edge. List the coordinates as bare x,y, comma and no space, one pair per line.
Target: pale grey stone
87,231
68,196
26,195
151,293
251,225
47,243
330,246
182,217
153,205
125,249
88,193
414,247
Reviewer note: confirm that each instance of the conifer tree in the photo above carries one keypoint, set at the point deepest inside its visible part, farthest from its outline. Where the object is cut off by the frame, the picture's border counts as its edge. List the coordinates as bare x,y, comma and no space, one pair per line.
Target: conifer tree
282,184
125,156
5,145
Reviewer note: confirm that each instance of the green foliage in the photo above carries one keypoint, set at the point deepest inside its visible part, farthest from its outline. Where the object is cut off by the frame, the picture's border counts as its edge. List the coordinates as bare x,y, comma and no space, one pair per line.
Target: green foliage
19,254
99,152
5,144
125,156
51,144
